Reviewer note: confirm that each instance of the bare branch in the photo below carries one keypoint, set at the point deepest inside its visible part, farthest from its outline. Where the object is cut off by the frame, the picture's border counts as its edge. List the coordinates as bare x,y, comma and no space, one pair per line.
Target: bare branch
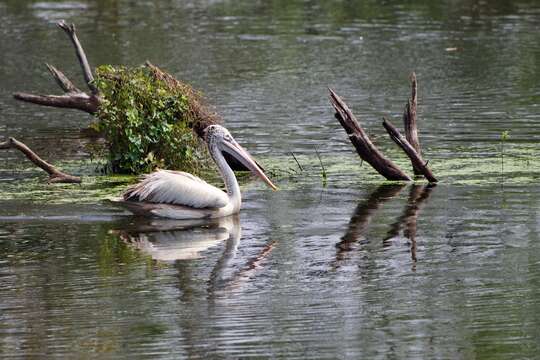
73,97
62,80
410,123
415,158
364,147
55,175
80,101
87,72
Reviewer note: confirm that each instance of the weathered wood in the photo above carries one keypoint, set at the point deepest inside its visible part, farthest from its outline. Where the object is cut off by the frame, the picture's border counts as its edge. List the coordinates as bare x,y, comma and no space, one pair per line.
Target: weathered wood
416,159
79,101
55,175
73,97
62,80
83,61
410,122
364,147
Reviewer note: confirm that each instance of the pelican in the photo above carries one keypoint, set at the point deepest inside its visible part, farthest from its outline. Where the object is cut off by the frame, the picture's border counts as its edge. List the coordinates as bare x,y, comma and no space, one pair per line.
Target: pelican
179,195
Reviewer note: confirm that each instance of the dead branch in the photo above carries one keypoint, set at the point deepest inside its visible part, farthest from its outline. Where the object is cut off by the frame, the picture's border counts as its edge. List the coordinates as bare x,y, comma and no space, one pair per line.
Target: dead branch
410,123
87,72
73,97
364,147
62,80
79,101
416,160
55,175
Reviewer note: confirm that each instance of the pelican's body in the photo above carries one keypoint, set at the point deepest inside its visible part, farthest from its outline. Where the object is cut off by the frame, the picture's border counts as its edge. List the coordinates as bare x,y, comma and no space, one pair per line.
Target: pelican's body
179,195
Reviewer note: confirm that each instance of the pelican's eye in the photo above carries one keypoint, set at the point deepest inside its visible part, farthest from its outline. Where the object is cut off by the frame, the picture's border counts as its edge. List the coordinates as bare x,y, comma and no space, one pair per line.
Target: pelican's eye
228,137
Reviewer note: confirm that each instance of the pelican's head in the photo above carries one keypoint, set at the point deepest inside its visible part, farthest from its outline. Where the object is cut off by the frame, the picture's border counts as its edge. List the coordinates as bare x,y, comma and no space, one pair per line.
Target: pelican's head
220,139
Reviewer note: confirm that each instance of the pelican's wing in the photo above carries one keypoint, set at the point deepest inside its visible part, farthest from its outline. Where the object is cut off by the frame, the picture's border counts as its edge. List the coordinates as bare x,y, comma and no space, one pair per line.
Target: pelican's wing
179,188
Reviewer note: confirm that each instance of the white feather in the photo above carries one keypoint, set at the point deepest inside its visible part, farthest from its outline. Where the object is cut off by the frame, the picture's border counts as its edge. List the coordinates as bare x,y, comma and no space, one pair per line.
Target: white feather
179,188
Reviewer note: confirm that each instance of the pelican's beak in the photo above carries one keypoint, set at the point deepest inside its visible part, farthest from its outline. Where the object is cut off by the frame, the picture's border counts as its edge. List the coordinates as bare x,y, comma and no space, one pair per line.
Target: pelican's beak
240,154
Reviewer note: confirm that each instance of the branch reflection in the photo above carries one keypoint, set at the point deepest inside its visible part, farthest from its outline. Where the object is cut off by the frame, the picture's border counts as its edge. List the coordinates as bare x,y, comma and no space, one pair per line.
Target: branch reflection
363,215
366,210
418,196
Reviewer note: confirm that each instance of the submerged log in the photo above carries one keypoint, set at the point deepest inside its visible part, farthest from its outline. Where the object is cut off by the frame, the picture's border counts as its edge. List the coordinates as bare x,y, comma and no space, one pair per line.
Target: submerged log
361,141
55,175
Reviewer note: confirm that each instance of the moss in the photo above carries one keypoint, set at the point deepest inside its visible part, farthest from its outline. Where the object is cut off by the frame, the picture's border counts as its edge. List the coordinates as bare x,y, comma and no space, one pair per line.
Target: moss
149,120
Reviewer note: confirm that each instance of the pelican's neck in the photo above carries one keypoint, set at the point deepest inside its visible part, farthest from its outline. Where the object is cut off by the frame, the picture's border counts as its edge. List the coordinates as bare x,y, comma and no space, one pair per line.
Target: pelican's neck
227,174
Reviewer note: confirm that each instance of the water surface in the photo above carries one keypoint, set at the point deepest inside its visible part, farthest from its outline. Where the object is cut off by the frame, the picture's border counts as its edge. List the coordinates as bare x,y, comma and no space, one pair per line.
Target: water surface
356,268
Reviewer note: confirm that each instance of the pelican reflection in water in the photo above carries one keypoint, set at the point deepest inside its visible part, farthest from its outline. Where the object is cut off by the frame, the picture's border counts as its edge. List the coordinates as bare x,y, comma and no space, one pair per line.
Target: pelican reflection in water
172,240
179,195
177,240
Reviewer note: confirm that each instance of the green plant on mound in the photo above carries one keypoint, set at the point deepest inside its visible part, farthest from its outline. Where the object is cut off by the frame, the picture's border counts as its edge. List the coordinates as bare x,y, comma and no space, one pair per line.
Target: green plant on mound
148,119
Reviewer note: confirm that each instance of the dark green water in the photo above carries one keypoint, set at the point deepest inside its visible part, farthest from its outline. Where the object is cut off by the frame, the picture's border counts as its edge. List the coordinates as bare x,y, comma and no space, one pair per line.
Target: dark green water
357,269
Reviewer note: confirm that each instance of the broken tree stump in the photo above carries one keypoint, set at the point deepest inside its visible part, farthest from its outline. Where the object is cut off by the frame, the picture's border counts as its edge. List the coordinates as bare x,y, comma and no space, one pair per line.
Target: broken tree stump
55,175
364,147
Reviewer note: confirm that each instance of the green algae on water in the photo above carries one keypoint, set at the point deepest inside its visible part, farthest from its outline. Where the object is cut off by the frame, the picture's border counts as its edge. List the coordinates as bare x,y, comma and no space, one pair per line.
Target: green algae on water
522,167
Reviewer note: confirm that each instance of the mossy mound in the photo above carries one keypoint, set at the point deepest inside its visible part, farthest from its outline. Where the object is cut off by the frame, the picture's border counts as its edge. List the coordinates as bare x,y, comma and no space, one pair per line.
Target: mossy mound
149,119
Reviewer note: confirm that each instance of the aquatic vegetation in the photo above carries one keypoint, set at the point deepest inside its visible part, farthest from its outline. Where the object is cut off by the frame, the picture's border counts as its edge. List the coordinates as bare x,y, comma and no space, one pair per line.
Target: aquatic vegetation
521,166
28,184
324,175
148,119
